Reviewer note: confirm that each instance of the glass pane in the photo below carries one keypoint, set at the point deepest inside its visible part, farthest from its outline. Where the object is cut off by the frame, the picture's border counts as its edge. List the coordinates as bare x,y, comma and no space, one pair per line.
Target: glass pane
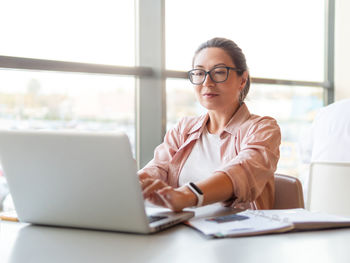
281,39
56,101
181,101
84,31
293,107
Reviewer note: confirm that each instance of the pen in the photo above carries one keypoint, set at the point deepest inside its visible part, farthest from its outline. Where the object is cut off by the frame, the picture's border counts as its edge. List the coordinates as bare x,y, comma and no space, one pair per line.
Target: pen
9,216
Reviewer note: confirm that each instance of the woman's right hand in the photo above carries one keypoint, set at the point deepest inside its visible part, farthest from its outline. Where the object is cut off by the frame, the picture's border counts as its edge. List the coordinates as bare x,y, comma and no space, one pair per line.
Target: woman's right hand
159,193
150,187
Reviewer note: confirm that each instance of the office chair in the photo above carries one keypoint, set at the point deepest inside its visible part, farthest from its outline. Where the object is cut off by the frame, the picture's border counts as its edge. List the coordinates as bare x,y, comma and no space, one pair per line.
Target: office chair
288,192
329,184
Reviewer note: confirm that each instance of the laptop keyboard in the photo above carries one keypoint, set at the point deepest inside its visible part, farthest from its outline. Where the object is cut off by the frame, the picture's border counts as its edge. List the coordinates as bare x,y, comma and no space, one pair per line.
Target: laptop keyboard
152,219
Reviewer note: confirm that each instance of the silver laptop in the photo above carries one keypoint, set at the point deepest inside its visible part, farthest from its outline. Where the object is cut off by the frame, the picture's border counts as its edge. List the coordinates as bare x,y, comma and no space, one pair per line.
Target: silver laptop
84,180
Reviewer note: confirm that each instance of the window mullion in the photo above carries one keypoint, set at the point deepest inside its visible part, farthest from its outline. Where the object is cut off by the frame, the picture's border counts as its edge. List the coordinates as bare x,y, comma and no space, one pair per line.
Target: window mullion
150,91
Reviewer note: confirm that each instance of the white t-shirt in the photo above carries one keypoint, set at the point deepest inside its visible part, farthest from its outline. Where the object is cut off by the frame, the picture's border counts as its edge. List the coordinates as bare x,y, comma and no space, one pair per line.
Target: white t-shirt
203,160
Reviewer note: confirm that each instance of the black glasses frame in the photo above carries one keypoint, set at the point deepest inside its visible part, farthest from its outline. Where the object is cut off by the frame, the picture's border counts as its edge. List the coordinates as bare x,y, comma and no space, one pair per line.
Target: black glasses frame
209,73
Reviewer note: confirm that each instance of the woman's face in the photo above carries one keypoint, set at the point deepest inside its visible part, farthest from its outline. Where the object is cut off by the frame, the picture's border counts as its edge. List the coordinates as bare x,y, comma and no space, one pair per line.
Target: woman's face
224,96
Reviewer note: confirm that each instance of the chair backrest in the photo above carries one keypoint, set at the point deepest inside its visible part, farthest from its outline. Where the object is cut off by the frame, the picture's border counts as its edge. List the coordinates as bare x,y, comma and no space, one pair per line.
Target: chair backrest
288,192
329,188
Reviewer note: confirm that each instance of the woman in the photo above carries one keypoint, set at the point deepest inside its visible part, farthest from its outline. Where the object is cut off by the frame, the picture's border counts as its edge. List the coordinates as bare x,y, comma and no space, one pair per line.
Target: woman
227,155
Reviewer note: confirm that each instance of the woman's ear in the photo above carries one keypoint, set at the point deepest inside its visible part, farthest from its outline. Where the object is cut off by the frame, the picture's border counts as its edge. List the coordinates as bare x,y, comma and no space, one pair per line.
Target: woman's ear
244,80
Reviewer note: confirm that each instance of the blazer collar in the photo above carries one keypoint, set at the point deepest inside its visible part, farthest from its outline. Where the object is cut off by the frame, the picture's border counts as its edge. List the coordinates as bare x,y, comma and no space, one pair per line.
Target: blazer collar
241,115
199,126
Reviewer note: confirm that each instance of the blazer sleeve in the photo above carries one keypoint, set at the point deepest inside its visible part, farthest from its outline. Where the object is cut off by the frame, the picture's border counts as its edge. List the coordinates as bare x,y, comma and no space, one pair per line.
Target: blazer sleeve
158,167
256,161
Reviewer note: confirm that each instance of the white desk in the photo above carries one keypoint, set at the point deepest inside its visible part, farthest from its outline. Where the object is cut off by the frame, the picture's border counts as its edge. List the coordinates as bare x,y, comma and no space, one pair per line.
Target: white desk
28,243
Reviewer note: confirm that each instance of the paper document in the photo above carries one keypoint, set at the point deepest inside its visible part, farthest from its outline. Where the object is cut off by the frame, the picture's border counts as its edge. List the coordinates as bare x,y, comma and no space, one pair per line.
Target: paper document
216,221
244,223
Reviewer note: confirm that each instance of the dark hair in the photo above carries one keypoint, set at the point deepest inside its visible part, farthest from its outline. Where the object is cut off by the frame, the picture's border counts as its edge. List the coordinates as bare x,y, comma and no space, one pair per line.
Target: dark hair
236,54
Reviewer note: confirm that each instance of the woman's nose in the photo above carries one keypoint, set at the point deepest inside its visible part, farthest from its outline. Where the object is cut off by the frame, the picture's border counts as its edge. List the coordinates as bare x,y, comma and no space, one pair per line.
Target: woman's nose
208,81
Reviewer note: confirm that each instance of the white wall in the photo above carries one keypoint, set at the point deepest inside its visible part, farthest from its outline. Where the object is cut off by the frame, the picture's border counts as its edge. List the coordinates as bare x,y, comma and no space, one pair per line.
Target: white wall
342,50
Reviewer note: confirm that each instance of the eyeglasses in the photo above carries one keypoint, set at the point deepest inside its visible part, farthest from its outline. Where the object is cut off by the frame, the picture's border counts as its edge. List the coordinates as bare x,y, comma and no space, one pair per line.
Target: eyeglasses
218,74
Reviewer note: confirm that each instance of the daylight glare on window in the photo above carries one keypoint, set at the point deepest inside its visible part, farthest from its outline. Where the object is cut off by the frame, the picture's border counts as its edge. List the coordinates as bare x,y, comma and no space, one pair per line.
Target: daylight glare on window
100,32
96,32
281,39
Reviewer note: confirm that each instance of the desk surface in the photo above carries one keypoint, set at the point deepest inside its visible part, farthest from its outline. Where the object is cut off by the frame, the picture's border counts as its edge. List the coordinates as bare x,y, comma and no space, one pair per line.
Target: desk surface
28,243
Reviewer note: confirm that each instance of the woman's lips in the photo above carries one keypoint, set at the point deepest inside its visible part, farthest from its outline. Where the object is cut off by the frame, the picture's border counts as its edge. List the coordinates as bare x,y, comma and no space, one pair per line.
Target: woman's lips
209,95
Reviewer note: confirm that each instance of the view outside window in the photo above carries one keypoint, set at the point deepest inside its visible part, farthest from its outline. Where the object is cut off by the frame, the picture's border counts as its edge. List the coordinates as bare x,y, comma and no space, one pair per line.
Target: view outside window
294,108
101,32
56,101
281,40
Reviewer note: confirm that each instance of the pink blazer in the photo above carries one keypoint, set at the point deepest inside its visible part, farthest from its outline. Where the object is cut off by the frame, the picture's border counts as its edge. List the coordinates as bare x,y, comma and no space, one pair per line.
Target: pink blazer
249,156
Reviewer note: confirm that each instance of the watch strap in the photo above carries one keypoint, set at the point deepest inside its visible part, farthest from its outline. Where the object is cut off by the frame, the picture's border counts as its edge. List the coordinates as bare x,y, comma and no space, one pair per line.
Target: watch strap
197,191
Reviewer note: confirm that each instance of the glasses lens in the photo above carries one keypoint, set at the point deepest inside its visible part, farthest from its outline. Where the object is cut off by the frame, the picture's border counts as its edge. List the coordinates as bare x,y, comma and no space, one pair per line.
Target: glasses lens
197,76
219,74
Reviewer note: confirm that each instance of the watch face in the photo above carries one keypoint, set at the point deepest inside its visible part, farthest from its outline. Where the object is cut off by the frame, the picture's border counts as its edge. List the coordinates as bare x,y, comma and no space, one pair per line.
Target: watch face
199,191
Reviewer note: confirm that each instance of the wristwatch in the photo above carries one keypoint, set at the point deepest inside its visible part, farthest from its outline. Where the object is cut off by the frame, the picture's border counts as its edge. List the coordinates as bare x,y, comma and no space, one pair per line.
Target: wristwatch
197,191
